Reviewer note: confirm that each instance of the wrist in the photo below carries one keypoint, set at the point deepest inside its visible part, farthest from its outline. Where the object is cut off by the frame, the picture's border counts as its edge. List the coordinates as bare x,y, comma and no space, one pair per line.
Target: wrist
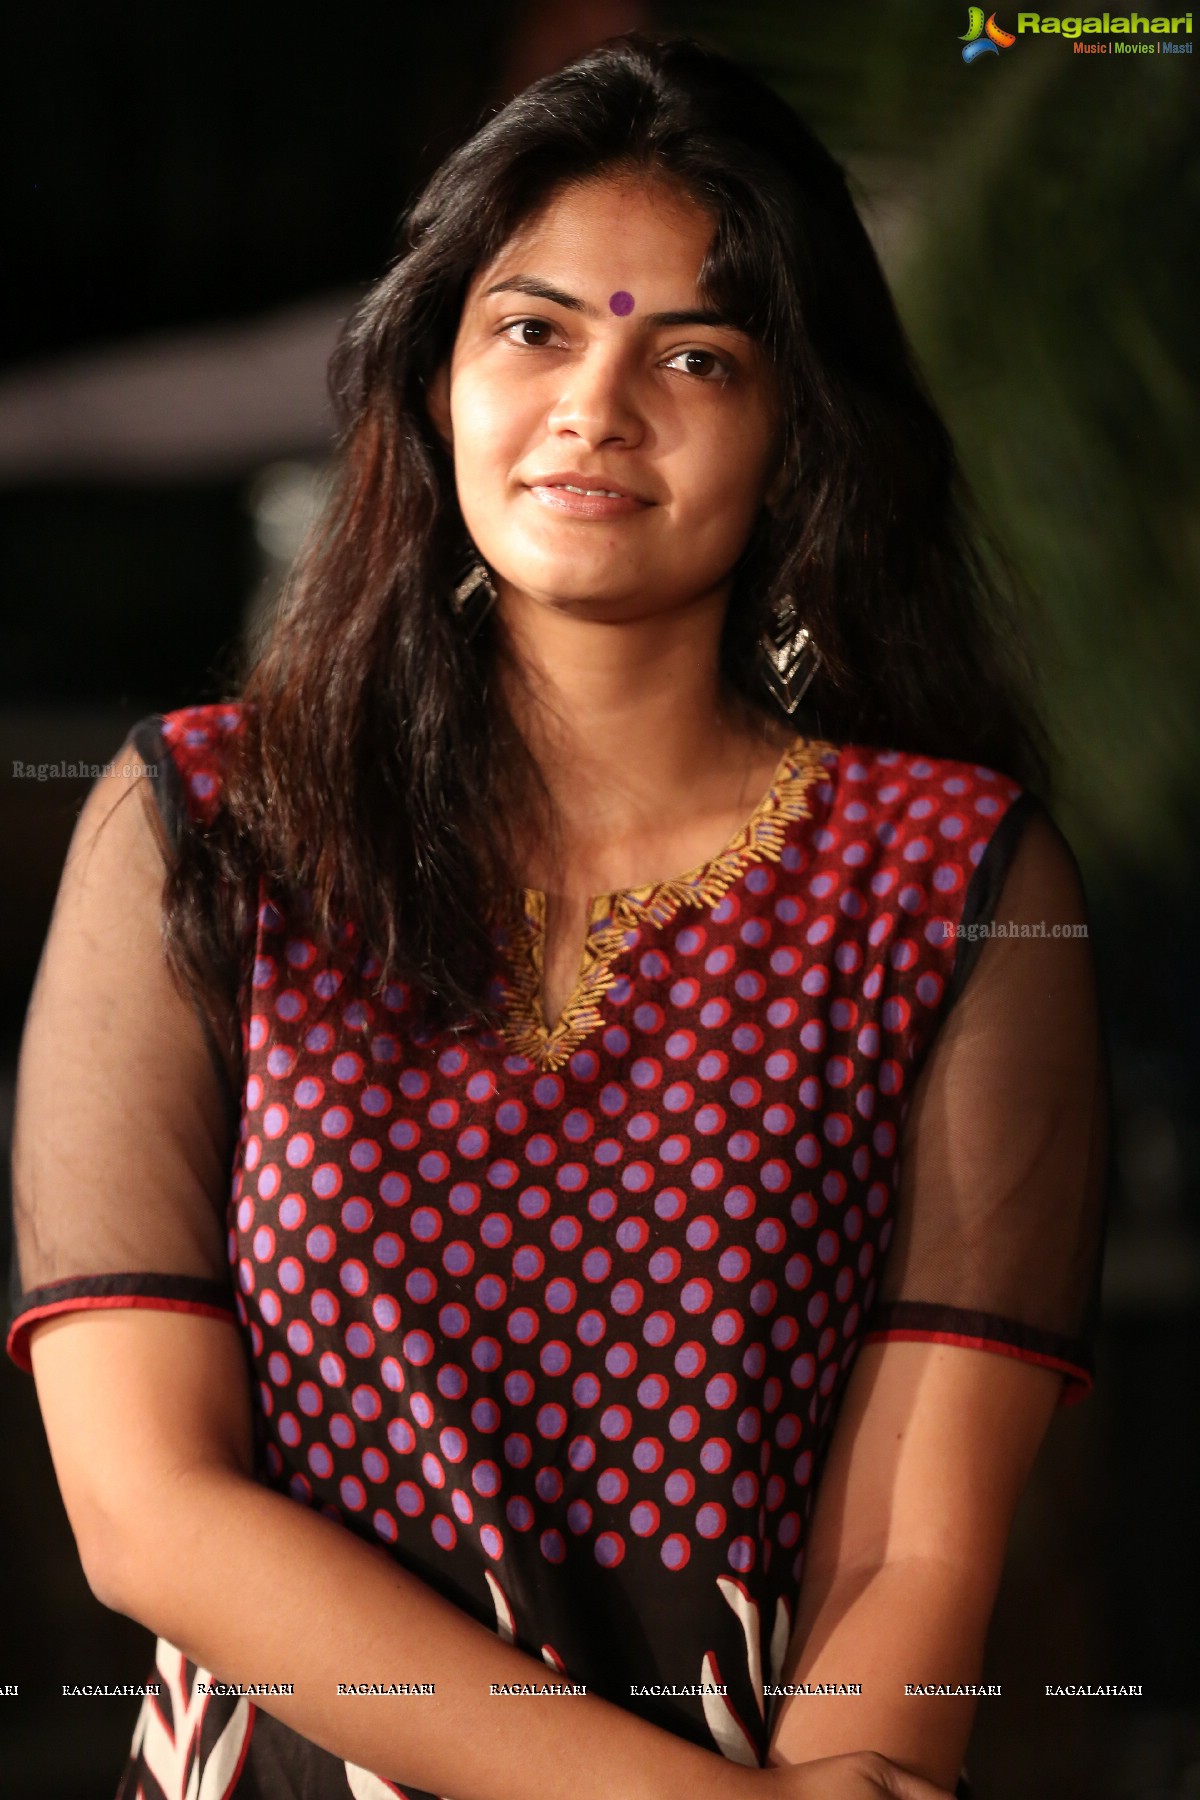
711,1776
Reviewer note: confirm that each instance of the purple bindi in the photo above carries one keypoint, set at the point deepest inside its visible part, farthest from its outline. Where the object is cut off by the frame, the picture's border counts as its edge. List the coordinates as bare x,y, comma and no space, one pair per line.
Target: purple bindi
621,303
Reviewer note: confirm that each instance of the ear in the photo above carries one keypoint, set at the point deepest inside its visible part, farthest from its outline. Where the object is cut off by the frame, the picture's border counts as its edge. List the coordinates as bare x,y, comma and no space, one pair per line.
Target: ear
437,401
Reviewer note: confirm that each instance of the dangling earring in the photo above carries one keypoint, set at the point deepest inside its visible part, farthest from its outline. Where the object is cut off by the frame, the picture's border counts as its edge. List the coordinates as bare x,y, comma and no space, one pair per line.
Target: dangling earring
474,597
790,657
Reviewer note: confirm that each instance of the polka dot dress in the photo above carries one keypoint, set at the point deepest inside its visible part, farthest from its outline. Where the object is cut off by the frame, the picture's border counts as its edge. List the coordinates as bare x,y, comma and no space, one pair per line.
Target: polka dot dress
561,1317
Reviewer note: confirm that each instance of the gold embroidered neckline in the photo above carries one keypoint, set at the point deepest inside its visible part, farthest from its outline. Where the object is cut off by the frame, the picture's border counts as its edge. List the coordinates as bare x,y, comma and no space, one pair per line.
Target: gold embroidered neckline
613,917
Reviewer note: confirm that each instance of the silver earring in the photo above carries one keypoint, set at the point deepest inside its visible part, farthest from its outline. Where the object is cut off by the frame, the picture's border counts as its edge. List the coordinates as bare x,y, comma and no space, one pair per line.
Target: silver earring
790,656
474,596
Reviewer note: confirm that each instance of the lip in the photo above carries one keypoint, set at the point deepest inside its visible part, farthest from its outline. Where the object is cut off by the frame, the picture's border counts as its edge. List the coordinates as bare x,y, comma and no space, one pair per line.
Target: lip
615,501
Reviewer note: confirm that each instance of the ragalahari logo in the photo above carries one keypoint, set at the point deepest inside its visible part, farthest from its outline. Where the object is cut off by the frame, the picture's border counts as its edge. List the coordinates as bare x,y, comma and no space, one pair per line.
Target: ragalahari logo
984,40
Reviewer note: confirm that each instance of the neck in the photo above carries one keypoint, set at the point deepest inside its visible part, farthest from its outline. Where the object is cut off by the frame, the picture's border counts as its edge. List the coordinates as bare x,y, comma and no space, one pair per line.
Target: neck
628,721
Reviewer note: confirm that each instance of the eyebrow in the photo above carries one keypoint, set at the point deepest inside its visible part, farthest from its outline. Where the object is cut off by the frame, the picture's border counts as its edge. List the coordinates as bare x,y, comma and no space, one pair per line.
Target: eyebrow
542,290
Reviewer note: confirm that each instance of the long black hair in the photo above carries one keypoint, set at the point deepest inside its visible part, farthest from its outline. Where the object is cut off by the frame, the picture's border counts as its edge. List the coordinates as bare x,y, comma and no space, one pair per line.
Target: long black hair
378,769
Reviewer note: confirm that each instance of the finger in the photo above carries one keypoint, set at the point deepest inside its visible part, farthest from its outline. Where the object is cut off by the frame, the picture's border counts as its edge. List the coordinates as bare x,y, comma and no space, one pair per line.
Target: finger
899,1784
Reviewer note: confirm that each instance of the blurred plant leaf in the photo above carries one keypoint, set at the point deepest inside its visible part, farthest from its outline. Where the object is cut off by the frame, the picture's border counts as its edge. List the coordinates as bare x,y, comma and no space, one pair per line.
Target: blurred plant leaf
1037,214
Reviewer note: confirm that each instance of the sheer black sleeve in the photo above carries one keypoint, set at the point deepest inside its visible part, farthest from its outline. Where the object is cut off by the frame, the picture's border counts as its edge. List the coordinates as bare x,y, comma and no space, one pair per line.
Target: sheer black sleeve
124,1129
1004,1153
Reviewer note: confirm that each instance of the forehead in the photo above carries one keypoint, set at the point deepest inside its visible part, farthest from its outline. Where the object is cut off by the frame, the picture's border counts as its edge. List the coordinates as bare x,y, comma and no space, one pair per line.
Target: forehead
636,233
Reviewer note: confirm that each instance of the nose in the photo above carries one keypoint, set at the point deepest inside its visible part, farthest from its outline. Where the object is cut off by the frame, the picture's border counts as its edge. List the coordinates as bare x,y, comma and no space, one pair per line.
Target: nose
597,402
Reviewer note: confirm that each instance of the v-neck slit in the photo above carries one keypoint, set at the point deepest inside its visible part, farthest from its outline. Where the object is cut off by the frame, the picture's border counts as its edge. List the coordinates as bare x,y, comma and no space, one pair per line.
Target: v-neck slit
615,919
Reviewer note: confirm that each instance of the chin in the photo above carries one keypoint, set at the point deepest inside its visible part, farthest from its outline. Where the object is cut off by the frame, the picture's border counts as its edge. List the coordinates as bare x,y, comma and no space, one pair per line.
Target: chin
574,595
571,585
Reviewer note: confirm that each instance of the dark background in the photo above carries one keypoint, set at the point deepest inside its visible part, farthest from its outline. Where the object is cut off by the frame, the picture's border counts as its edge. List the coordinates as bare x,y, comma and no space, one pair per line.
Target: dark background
196,195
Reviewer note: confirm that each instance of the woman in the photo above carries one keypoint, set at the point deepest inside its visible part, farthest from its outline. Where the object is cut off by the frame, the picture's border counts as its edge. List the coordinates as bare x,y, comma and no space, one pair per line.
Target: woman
529,1266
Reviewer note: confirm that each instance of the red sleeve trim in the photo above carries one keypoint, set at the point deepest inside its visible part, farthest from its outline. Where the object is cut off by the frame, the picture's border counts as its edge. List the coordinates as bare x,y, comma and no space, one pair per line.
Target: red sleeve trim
17,1342
1078,1382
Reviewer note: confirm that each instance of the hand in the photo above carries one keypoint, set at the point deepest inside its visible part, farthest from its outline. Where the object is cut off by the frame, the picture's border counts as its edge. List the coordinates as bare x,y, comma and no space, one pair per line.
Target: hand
862,1775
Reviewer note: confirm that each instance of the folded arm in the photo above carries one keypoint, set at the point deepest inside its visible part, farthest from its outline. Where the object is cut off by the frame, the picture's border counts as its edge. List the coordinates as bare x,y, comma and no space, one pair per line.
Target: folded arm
932,1449
979,1332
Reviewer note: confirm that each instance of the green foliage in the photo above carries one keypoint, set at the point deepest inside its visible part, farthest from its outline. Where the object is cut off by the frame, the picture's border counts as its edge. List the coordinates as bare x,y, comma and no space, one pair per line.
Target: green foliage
1037,213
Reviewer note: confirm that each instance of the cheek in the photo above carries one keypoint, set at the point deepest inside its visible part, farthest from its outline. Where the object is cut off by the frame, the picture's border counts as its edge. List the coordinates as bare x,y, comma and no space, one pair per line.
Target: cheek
730,478
488,423
757,466
489,433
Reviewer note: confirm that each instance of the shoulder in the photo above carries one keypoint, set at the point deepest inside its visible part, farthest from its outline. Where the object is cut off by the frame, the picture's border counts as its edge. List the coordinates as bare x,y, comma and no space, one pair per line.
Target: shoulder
187,752
915,806
966,845
890,780
1038,876
938,840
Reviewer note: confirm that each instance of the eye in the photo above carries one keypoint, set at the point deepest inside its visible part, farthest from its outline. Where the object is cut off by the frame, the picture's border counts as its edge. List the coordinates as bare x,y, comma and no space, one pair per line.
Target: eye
531,333
705,364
